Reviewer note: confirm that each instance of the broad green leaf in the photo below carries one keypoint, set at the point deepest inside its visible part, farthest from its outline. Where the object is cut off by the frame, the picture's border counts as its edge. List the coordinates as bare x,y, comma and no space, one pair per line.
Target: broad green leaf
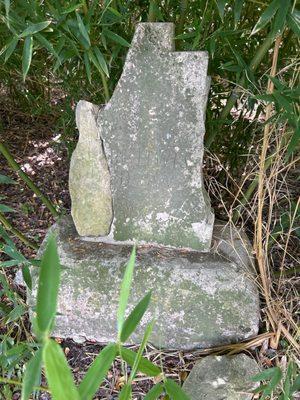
293,20
27,55
101,60
125,290
135,317
175,391
116,38
96,372
34,28
82,28
58,373
154,392
87,66
6,180
280,19
138,357
32,374
126,392
48,286
221,7
266,374
266,16
145,366
4,208
10,49
237,11
26,276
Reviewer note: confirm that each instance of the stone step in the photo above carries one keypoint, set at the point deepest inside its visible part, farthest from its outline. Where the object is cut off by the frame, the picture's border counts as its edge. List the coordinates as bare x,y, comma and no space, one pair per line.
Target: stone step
199,299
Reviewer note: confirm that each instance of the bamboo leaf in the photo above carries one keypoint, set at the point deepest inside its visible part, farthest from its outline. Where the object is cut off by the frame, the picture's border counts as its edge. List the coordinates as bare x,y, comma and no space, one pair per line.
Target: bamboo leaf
6,180
266,16
116,38
87,66
125,290
11,47
45,43
26,276
48,287
154,392
221,4
82,28
280,19
101,60
145,366
135,317
126,392
34,28
97,372
175,391
293,21
27,55
58,373
5,209
32,374
237,11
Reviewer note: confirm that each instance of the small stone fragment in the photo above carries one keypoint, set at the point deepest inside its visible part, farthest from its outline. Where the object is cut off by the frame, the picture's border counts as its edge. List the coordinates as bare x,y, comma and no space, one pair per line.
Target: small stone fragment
222,378
89,179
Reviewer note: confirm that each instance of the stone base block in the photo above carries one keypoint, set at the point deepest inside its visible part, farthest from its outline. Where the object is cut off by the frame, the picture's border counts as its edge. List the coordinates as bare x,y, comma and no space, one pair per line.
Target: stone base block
199,300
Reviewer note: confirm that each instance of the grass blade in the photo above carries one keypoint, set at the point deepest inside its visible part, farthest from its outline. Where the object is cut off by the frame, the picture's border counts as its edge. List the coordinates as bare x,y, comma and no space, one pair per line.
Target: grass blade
31,375
125,290
126,392
82,28
27,55
135,317
97,372
154,392
141,349
48,287
116,38
58,373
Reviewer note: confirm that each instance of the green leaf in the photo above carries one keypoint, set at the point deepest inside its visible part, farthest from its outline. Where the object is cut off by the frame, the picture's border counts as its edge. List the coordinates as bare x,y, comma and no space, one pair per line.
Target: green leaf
45,43
266,16
32,374
294,142
265,375
26,276
125,290
9,263
72,8
280,19
237,11
101,60
10,49
6,180
34,28
135,317
4,208
145,366
58,373
27,55
7,7
175,391
154,392
97,372
126,392
293,21
87,66
48,287
221,7
16,313
82,28
116,38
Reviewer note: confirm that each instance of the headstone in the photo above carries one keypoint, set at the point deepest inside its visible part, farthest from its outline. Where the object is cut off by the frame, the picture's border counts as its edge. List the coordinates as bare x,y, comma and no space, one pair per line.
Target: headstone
89,179
136,176
222,377
152,131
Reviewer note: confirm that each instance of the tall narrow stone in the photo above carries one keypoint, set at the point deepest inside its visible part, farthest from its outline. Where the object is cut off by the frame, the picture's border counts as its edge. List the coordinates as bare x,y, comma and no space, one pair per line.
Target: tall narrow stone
152,130
89,179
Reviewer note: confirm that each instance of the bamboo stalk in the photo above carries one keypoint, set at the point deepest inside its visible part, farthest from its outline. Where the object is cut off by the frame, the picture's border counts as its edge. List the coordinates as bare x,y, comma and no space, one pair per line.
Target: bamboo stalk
16,167
17,233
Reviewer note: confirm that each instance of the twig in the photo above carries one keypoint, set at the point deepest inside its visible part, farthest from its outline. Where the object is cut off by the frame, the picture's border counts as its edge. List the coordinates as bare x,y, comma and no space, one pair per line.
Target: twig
17,233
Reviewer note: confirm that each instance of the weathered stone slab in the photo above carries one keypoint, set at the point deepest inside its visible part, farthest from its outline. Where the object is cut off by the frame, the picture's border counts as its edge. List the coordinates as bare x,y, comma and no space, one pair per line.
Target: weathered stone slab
199,299
89,180
222,377
152,130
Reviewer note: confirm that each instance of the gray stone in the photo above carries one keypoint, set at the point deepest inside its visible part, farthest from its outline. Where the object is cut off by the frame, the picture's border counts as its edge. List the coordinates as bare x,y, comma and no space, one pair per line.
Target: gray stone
152,130
89,180
199,299
222,378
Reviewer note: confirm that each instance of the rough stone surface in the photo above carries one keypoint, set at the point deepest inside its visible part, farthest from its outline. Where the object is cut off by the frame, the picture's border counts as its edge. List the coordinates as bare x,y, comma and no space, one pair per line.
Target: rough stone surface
222,377
152,130
199,299
89,180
